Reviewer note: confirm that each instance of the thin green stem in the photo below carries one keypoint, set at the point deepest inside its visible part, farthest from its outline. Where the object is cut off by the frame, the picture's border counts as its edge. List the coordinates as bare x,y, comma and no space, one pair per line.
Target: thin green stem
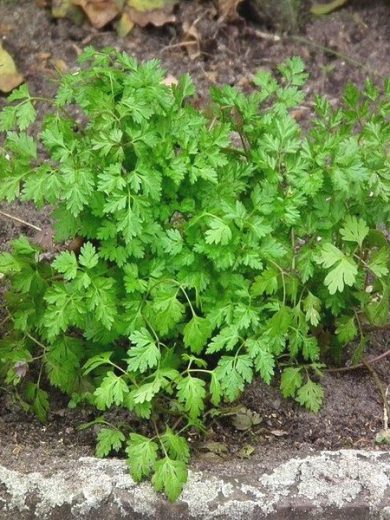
159,438
34,340
282,272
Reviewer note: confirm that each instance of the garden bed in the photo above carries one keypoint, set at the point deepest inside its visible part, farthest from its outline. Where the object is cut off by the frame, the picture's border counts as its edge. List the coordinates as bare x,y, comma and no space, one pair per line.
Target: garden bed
348,46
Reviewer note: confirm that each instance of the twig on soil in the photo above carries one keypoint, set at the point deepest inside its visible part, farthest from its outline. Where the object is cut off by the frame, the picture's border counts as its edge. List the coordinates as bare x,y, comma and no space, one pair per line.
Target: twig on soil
179,44
381,389
363,364
262,35
20,221
339,55
385,412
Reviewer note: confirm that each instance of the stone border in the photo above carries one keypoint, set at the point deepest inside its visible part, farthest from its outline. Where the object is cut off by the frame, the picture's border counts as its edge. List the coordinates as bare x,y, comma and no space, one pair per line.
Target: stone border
347,484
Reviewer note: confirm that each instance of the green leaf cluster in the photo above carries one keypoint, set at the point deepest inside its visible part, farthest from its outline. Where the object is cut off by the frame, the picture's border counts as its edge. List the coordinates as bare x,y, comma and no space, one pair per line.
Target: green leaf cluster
216,244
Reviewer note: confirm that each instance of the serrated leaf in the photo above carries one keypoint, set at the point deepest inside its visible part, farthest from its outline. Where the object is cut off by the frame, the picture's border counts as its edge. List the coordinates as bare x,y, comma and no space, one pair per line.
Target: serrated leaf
346,329
175,445
343,274
379,262
344,270
170,477
215,389
227,339
311,305
310,395
145,354
63,364
168,310
100,297
109,440
244,366
231,381
88,257
263,360
310,348
378,309
172,242
97,361
354,230
191,392
218,233
22,246
266,283
38,399
196,333
291,380
111,391
66,264
146,392
9,264
142,456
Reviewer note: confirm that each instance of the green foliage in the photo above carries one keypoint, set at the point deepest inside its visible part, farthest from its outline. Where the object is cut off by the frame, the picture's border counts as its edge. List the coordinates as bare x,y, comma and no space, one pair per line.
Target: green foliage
204,263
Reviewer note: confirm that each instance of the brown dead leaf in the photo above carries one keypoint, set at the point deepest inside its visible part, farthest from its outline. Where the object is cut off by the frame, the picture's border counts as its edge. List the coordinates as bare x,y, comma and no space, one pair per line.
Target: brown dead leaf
43,56
218,448
228,10
245,419
169,80
211,76
157,18
60,65
102,12
154,12
66,9
5,29
191,40
10,78
246,451
279,433
99,12
124,26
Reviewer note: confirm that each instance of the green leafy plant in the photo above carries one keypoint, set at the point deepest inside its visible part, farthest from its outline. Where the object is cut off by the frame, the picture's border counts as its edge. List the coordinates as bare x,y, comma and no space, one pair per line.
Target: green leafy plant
217,246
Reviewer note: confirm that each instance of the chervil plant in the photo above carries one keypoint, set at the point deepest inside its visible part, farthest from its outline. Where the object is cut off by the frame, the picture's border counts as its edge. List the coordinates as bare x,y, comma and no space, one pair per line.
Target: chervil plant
216,247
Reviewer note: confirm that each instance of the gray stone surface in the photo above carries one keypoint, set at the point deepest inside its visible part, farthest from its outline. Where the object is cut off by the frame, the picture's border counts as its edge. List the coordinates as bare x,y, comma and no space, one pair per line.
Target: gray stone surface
348,484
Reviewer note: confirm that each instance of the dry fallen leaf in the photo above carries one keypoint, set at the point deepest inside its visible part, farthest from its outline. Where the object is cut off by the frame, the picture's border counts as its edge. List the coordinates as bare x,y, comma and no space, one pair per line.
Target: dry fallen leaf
10,78
219,448
129,12
99,12
169,80
245,419
279,433
155,12
191,40
21,368
60,65
246,451
383,437
124,26
228,9
66,9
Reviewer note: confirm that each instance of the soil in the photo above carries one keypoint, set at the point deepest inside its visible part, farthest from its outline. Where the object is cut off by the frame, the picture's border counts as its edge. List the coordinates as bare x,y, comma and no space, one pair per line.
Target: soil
347,46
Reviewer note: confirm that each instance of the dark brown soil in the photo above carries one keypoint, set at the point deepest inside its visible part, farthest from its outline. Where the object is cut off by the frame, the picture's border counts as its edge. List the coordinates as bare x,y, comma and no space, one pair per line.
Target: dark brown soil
347,46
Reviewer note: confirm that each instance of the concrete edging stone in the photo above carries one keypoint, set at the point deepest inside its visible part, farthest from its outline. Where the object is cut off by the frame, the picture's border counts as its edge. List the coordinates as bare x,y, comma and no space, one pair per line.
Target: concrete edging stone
341,485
